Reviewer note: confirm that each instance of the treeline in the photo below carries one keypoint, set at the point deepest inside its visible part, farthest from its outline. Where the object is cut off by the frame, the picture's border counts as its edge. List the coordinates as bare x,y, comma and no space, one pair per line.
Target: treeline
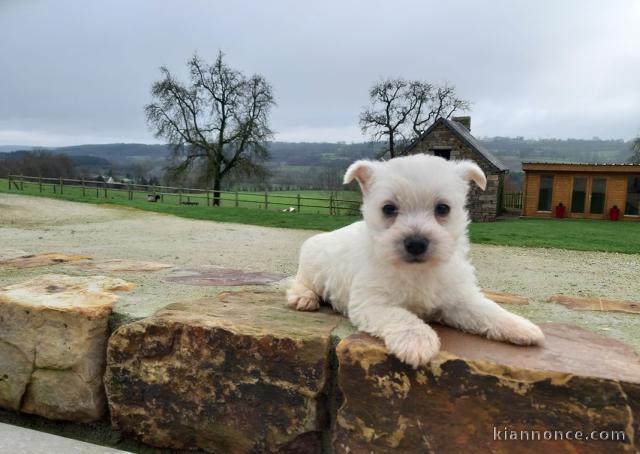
292,165
572,150
37,163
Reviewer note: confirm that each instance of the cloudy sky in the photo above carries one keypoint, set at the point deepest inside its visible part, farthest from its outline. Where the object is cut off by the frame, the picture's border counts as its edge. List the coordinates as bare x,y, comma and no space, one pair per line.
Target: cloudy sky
77,71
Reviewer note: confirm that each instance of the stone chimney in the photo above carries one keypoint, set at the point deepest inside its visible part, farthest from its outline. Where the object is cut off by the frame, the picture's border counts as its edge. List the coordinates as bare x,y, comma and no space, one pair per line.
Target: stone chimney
464,121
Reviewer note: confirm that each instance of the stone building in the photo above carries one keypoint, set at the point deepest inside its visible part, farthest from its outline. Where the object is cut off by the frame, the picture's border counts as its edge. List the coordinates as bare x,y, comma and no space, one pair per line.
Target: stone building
452,139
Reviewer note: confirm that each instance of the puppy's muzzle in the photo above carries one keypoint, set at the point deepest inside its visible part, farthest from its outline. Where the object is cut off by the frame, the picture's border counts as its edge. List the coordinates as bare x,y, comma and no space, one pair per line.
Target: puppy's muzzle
416,246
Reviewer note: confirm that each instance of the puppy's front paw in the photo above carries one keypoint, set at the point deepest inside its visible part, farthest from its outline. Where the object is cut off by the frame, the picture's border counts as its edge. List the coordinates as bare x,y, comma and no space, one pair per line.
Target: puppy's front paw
303,299
517,330
414,346
307,304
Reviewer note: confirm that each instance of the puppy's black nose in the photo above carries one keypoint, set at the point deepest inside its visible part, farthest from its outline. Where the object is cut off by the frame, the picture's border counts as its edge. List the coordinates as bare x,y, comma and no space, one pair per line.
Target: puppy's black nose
416,245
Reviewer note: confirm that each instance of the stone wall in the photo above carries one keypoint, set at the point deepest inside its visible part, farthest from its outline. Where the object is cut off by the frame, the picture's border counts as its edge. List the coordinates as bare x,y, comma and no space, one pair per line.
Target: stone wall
241,373
482,205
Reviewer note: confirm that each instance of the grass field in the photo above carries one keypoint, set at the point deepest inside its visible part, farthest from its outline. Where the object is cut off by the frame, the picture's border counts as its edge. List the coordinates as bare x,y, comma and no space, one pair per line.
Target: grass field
576,234
584,235
250,208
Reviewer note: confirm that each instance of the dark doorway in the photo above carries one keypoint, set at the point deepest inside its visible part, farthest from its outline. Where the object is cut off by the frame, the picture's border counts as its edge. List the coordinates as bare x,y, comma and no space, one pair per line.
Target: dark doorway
442,152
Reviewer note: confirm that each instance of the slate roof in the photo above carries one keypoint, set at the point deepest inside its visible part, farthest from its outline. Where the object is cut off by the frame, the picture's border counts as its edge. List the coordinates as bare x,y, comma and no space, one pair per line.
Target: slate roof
566,163
463,134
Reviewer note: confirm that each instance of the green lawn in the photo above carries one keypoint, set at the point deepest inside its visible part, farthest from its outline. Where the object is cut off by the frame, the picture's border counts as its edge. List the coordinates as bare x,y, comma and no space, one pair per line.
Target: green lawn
315,202
250,207
584,235
581,235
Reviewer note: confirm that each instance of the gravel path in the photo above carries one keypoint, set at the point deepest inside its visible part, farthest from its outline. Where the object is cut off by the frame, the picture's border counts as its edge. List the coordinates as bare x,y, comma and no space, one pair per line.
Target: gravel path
33,224
36,224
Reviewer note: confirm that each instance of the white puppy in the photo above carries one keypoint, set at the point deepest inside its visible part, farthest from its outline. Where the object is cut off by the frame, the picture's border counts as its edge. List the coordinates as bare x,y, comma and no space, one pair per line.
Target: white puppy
407,261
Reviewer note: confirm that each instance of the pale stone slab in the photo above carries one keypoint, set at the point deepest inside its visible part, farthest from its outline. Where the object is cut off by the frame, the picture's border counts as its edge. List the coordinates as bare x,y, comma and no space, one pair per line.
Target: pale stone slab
505,298
125,265
36,260
16,440
596,304
53,334
217,276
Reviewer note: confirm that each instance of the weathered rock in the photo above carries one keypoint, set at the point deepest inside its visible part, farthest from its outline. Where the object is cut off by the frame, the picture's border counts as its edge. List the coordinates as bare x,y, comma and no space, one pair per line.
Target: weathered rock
477,389
53,333
236,373
217,276
125,265
505,298
596,304
36,260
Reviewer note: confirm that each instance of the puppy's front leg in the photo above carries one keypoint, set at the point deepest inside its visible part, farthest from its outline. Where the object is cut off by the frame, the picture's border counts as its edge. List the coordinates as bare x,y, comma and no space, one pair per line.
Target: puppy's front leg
479,315
405,335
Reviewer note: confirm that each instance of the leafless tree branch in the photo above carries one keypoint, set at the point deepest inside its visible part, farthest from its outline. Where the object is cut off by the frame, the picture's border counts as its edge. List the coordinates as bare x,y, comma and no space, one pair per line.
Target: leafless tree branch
217,124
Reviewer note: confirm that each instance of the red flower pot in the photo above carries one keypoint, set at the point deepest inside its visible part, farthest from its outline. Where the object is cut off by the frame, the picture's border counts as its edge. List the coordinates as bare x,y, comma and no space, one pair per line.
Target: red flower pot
614,213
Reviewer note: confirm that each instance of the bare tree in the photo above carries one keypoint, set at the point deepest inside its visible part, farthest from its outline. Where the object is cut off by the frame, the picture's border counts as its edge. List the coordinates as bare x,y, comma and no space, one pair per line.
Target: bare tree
400,111
217,124
433,102
388,112
635,151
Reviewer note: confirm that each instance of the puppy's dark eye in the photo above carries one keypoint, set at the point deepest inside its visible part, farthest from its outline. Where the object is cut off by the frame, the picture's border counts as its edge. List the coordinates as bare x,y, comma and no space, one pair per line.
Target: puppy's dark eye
390,210
442,209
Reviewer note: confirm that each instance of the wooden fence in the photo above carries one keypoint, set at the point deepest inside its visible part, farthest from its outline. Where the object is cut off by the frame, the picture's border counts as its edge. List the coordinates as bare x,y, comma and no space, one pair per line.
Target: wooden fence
291,202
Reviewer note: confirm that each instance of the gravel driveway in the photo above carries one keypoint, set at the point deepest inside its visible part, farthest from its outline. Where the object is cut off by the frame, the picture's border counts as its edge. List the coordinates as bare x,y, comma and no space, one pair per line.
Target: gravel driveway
33,224
37,224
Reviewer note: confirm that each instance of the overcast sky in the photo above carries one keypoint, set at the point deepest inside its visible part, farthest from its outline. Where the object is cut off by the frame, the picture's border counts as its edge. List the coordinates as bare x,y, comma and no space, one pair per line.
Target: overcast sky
78,71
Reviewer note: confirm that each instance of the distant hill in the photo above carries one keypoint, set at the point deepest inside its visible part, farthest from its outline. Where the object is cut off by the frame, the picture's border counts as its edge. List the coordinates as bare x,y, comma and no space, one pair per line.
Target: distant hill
512,151
115,151
77,160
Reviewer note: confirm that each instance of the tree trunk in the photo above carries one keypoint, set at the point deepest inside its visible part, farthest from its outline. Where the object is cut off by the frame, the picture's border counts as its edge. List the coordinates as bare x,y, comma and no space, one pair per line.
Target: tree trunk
216,192
392,153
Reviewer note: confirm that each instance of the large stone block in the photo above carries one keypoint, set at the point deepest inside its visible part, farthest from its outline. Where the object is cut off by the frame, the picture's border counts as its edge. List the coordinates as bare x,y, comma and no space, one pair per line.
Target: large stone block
236,373
53,334
477,395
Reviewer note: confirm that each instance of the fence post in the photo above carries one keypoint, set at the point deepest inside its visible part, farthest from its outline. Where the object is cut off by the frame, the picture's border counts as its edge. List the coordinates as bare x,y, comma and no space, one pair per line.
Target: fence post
236,199
298,197
104,185
266,200
208,198
22,182
83,188
61,186
180,196
40,184
97,190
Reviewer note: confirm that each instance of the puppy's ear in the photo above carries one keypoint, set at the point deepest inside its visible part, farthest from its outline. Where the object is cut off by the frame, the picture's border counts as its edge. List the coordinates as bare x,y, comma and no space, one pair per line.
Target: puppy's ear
470,171
361,171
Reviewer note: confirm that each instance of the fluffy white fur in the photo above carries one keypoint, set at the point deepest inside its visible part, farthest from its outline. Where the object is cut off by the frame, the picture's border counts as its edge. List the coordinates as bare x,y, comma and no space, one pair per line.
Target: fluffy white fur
365,271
